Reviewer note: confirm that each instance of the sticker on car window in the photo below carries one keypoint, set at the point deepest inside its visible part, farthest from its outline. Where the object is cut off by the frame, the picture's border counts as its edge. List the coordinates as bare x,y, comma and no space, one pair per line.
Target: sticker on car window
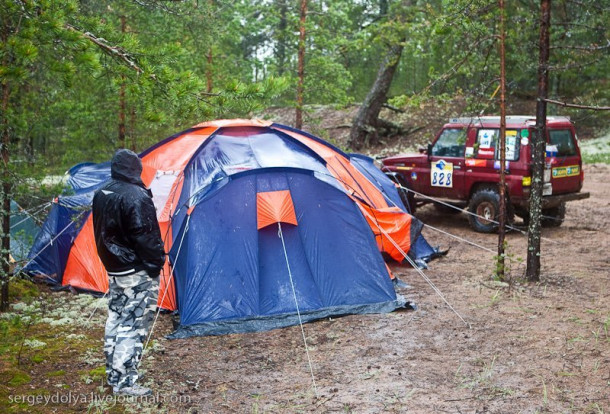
511,144
441,174
486,138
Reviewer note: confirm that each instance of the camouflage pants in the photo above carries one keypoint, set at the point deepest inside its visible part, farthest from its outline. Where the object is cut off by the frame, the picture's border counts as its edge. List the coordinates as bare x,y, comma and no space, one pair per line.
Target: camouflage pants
131,309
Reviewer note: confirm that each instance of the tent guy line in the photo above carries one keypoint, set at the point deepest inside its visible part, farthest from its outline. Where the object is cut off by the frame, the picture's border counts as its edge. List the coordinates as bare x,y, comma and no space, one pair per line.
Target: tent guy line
50,243
426,225
167,284
97,305
472,214
460,238
296,302
421,273
453,235
30,212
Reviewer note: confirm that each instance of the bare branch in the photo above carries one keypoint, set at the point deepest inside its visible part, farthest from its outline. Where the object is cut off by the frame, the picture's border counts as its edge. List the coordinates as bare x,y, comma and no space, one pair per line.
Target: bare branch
591,48
393,108
574,65
114,51
569,105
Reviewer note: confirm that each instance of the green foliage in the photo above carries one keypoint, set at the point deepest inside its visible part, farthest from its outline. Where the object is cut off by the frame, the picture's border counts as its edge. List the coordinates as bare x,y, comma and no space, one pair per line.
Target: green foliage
65,63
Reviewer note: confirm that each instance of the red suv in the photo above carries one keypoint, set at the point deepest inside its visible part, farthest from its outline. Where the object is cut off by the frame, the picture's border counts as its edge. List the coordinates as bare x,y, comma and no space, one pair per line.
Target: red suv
461,166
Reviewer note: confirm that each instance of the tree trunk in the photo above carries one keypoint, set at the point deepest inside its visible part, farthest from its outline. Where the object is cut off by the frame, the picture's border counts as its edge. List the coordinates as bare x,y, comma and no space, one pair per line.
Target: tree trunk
539,147
365,122
281,41
502,212
208,71
5,201
301,67
132,127
383,7
122,106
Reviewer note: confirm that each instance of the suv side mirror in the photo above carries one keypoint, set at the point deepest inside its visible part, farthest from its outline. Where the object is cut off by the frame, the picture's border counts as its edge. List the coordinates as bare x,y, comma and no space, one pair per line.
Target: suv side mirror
429,150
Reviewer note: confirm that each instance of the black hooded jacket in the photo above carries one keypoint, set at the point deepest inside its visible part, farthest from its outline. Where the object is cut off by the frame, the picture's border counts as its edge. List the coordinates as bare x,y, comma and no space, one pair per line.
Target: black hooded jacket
125,223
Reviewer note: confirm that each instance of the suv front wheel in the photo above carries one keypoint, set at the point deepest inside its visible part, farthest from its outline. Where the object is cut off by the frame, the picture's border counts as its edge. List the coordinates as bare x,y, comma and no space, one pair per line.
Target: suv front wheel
485,203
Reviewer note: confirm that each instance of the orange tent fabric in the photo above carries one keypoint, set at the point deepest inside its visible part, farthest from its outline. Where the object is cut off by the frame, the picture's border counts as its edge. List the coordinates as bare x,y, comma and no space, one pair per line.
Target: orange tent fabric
274,207
395,223
83,269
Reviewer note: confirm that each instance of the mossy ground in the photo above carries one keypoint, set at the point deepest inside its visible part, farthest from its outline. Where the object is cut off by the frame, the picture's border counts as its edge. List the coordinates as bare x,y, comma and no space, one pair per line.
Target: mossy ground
51,346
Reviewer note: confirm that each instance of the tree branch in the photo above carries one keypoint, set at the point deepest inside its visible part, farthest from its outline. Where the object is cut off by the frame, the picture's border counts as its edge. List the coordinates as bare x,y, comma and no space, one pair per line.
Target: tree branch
569,105
393,108
587,48
113,51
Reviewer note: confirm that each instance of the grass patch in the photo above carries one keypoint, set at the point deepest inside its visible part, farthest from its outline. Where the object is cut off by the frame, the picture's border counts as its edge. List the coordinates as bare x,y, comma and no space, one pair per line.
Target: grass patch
16,377
22,290
37,359
98,374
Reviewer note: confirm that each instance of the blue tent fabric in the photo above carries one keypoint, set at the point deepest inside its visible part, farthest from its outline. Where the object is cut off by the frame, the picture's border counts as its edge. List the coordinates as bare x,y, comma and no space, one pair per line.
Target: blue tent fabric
87,175
422,251
227,152
49,253
231,277
51,248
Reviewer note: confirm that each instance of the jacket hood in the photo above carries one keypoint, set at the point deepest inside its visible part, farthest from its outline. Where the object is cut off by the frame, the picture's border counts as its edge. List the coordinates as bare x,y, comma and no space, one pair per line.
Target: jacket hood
126,166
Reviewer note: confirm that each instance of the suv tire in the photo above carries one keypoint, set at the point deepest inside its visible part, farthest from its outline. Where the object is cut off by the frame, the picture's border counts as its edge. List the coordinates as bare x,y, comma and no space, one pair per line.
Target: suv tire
553,217
486,202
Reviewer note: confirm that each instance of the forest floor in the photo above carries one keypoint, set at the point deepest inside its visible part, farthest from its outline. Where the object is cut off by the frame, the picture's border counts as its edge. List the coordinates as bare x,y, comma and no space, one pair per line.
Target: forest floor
526,347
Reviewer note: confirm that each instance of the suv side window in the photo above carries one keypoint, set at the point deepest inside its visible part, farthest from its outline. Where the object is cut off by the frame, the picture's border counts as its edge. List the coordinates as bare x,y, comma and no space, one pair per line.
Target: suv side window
451,143
487,139
562,139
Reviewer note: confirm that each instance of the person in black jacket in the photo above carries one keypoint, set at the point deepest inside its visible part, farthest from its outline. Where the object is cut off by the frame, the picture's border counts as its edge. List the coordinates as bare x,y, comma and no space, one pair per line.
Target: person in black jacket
129,243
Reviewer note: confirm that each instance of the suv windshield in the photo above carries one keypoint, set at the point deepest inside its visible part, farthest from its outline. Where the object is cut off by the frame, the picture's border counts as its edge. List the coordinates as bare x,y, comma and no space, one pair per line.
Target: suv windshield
562,140
451,143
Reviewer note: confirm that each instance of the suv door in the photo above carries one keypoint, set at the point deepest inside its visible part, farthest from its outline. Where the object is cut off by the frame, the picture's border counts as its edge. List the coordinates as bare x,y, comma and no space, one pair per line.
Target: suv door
445,174
565,161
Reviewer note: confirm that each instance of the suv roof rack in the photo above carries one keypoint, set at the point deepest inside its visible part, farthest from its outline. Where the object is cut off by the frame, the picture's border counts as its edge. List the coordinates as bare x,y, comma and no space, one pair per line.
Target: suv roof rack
515,119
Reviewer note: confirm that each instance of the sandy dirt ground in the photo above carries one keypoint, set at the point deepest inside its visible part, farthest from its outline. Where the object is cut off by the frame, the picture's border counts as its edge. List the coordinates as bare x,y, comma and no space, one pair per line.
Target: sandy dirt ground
526,348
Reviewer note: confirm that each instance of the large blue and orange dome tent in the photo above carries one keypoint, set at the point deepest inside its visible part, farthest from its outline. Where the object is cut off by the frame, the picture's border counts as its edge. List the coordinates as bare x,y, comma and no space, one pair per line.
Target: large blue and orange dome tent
258,219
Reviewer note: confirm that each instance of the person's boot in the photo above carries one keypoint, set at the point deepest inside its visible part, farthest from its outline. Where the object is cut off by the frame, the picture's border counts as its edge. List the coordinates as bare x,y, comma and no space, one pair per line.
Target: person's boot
135,390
